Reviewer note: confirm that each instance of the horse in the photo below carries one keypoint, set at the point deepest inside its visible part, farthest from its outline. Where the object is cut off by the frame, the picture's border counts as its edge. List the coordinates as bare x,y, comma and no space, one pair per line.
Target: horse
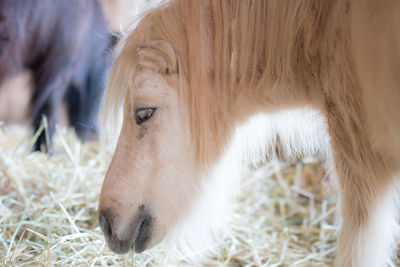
197,84
65,45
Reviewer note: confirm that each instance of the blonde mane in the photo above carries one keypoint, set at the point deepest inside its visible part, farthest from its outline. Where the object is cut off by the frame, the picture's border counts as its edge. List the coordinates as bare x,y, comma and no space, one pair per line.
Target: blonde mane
230,50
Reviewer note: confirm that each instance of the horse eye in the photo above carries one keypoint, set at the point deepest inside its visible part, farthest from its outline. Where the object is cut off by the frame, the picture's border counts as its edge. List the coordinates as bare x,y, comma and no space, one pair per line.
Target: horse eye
143,114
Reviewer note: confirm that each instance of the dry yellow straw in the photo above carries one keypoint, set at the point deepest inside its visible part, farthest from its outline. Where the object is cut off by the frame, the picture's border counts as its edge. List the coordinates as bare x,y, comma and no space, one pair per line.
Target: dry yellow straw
48,211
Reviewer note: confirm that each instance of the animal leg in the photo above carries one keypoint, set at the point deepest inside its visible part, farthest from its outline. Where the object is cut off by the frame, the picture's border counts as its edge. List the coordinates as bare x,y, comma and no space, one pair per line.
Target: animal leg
83,102
369,227
49,90
44,141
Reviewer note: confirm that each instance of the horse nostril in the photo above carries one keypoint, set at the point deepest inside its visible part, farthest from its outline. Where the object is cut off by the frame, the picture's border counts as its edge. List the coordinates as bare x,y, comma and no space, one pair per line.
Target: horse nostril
143,234
137,235
105,226
145,224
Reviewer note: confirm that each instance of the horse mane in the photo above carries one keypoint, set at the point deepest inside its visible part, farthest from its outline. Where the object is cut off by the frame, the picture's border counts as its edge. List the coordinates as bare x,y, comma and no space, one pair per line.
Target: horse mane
227,51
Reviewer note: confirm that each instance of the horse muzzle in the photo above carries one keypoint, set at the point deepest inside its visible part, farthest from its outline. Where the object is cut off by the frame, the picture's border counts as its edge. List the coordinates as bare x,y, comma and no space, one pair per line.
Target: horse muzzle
137,234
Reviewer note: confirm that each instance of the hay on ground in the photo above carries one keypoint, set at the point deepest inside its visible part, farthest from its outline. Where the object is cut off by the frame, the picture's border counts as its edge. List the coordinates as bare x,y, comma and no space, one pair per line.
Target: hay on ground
48,211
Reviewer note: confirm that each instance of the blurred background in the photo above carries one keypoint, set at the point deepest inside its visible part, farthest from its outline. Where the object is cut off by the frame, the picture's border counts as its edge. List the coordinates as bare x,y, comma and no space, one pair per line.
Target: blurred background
15,91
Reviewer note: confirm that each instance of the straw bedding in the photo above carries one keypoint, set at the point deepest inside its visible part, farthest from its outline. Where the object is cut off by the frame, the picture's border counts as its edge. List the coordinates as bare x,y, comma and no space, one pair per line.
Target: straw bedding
48,206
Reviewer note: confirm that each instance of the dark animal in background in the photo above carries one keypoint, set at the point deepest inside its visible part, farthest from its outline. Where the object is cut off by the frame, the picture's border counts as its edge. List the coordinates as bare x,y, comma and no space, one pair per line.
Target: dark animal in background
65,45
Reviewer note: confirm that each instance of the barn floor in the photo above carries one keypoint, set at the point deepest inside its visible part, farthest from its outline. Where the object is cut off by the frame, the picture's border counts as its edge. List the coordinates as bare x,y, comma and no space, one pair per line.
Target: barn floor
48,206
